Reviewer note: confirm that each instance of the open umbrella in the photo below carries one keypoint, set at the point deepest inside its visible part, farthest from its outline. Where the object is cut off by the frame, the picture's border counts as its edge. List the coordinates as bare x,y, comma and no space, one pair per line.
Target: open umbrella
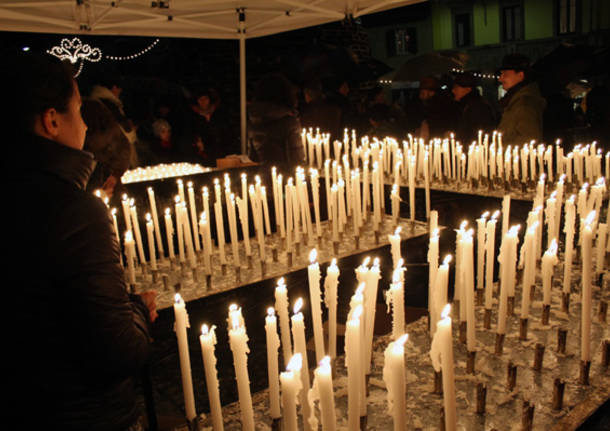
430,64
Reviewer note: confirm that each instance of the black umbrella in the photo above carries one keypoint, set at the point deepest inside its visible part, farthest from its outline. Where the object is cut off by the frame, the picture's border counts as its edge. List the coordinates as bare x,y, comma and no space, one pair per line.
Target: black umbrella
421,66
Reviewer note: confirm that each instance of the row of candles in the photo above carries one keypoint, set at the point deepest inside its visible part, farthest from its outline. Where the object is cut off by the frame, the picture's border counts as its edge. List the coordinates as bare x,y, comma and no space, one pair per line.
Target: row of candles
293,386
347,196
486,157
294,382
588,207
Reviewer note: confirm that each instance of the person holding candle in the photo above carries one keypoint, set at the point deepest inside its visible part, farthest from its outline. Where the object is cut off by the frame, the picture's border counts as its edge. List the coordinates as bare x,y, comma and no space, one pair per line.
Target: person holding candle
94,336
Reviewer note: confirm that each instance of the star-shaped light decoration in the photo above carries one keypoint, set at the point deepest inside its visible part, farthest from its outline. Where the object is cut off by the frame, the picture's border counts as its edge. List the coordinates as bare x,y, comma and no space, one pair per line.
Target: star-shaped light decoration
74,50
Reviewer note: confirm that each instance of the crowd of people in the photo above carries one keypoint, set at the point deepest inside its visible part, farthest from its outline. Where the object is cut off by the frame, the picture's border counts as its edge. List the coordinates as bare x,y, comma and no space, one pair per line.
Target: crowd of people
192,129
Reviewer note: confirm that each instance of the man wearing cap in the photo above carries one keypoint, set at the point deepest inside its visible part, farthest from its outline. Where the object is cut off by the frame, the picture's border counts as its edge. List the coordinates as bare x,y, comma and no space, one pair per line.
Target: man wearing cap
523,105
475,112
439,110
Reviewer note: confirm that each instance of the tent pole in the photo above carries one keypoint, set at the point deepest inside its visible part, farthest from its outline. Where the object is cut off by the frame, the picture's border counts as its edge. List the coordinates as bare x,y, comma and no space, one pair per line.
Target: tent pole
242,90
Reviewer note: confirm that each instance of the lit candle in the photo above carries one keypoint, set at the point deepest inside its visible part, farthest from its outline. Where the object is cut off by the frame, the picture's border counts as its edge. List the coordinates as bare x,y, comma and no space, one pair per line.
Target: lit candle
370,304
193,209
549,260
395,246
151,241
394,378
396,299
300,346
481,230
313,275
441,353
439,293
330,299
155,216
130,254
291,387
468,288
490,239
238,340
322,389
568,228
529,272
169,232
273,344
181,324
354,370
508,262
432,266
587,264
281,305
207,339
136,231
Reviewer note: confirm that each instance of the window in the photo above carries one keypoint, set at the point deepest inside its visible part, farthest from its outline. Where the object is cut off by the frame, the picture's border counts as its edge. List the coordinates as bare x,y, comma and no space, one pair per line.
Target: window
402,41
512,23
463,29
567,11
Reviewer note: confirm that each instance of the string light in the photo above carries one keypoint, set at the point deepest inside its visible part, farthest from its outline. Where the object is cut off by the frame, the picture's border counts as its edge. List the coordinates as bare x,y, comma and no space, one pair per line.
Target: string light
74,50
133,56
80,69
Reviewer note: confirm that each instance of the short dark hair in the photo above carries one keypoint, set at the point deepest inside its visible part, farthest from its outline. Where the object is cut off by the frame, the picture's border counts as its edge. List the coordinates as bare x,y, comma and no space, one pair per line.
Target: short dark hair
35,83
276,88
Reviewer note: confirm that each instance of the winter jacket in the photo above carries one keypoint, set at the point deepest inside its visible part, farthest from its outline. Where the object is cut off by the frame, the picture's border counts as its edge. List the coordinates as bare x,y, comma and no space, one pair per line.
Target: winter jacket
274,133
523,108
76,338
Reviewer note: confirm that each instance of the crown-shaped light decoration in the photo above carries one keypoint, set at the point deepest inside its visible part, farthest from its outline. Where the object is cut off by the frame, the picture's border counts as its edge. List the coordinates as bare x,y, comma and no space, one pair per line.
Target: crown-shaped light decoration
74,50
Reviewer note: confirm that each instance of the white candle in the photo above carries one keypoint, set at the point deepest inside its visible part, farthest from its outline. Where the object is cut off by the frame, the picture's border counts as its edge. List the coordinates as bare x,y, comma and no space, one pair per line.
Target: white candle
281,305
193,209
136,231
602,232
273,344
207,339
549,260
322,389
238,340
169,232
441,353
490,240
151,241
481,230
568,228
505,214
354,370
300,346
313,275
396,299
508,262
330,299
395,246
155,216
439,293
529,272
468,289
291,387
432,266
587,265
370,304
130,254
181,324
394,377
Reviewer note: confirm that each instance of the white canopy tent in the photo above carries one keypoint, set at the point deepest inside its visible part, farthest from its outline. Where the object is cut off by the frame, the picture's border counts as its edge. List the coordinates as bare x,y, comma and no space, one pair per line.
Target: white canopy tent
206,19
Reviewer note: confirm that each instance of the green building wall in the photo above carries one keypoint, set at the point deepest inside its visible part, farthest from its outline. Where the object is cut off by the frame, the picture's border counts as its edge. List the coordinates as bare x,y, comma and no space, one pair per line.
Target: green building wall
486,23
538,19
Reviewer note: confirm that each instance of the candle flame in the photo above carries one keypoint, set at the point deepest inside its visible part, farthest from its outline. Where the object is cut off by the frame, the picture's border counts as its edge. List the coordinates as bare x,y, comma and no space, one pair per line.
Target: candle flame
553,247
270,311
205,329
366,261
178,299
397,231
357,312
496,214
463,224
148,217
447,259
402,340
281,282
298,305
333,262
313,255
325,363
446,311
295,363
590,218
485,215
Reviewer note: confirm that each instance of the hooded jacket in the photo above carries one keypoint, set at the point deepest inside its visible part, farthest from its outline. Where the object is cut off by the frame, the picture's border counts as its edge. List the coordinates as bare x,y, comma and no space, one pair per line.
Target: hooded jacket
76,336
274,133
522,114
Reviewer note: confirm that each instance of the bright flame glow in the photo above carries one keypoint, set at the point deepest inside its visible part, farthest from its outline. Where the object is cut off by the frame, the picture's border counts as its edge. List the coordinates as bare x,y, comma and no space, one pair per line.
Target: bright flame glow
446,311
295,363
298,305
313,255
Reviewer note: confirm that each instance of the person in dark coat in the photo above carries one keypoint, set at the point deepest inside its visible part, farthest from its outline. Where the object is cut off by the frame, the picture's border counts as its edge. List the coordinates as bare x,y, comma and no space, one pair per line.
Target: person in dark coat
439,110
475,112
523,105
317,112
108,143
274,128
77,338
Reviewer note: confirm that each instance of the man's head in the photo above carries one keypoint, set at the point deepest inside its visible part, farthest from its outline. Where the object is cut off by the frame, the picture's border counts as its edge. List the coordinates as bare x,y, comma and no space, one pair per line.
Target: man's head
206,99
463,85
312,90
514,69
45,97
428,87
